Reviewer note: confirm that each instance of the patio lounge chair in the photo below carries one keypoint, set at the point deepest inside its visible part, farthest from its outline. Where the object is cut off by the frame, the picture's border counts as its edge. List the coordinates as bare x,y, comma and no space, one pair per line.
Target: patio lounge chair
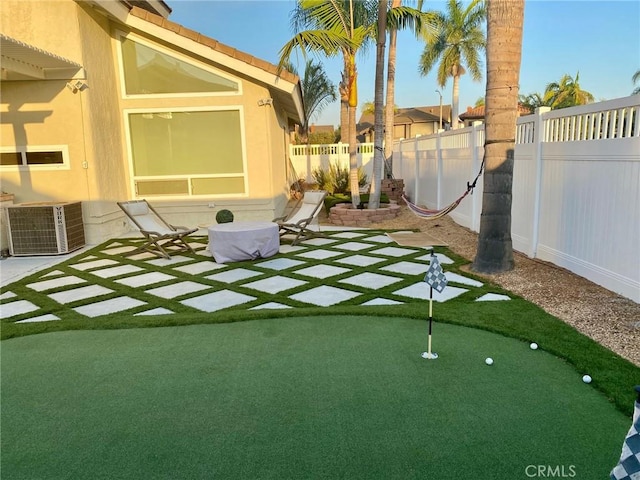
305,212
158,233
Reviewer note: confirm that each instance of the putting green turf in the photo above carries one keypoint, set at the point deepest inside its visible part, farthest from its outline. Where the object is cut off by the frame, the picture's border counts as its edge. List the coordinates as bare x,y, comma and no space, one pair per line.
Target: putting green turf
292,398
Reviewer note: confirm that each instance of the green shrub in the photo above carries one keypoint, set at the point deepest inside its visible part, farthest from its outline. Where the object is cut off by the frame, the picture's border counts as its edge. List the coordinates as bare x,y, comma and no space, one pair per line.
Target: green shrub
224,216
335,180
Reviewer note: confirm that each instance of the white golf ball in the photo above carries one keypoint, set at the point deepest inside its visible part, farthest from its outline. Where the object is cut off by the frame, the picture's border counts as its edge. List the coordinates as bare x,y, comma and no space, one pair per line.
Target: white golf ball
489,361
534,346
586,379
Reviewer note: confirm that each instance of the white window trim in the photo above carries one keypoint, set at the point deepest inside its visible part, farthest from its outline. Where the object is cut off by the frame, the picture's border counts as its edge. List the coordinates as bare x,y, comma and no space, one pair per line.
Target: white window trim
65,165
141,40
133,177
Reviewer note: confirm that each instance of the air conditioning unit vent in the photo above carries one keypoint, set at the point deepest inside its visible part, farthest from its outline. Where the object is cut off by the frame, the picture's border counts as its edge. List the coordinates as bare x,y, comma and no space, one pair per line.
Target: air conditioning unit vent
45,228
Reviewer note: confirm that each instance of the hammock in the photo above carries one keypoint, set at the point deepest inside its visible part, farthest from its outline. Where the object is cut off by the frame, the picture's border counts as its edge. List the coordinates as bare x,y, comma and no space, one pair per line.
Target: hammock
434,214
430,214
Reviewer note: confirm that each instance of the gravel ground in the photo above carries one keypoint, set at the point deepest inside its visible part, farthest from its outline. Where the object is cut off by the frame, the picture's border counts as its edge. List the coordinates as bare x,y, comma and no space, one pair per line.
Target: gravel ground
608,318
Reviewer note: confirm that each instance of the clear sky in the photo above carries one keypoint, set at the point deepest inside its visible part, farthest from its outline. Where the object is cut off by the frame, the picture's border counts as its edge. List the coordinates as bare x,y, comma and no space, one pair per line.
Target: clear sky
598,39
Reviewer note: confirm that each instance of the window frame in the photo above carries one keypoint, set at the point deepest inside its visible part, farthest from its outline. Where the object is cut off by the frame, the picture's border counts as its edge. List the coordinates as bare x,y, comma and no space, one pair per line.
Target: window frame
171,53
133,178
23,150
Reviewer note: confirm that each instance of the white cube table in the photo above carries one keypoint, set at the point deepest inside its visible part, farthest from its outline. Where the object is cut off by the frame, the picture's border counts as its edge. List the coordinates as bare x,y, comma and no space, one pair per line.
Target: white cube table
237,241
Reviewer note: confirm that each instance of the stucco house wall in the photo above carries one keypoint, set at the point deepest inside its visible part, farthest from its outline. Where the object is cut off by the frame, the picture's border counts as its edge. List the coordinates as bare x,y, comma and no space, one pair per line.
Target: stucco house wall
92,123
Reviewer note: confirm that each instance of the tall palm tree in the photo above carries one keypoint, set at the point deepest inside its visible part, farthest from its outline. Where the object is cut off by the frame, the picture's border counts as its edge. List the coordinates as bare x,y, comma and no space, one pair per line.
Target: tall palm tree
317,91
397,19
532,101
636,79
457,44
566,93
504,51
332,28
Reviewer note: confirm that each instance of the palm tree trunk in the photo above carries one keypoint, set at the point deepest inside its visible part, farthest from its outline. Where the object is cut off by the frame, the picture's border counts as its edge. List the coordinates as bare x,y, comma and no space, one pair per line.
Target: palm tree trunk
354,183
390,100
454,101
504,49
378,151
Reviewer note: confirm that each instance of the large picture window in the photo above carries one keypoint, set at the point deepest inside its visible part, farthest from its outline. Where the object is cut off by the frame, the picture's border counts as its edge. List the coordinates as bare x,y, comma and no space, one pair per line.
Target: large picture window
187,152
150,71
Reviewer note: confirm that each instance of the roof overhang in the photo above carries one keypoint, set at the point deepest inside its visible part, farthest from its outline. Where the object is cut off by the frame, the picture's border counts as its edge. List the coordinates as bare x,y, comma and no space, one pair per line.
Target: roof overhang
20,61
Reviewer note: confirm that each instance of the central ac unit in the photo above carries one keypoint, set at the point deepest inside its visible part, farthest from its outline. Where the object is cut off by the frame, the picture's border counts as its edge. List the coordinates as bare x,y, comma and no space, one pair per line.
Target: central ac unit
45,228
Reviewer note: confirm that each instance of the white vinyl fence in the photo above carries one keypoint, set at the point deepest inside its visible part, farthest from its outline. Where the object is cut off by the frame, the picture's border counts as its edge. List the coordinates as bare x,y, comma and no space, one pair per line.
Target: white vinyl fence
576,185
307,158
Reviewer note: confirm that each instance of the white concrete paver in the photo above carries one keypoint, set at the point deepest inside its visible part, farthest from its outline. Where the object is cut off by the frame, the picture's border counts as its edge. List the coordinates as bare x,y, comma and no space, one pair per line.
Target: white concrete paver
393,251
360,260
177,289
322,271
492,297
94,264
116,271
408,268
82,293
275,284
17,307
214,301
234,275
55,283
280,263
319,254
270,305
106,307
145,279
154,311
48,317
324,296
353,246
200,267
421,291
370,280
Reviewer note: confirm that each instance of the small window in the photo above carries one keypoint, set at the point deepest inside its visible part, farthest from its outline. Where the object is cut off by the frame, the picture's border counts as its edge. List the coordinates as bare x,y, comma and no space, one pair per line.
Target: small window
34,157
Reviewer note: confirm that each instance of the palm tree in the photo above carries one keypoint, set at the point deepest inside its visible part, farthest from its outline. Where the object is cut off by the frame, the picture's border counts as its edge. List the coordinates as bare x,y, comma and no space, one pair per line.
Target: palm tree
532,101
636,79
457,44
399,18
504,52
332,28
566,93
317,92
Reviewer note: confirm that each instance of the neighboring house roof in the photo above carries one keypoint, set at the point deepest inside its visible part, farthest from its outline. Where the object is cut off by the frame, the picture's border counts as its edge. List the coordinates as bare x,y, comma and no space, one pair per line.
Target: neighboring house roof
283,86
408,115
477,113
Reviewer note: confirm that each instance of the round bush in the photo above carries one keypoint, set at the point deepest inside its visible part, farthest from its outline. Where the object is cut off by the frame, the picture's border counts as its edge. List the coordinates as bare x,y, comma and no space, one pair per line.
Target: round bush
224,216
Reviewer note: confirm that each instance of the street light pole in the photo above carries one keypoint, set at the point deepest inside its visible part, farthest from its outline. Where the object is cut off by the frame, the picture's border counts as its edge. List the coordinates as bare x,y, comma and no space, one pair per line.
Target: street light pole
440,125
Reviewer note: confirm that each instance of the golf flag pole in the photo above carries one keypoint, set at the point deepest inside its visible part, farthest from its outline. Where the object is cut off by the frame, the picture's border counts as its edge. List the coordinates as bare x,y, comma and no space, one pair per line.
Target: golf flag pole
435,278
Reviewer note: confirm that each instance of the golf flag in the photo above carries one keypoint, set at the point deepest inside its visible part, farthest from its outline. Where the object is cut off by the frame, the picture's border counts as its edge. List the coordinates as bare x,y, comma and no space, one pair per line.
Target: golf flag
435,275
628,467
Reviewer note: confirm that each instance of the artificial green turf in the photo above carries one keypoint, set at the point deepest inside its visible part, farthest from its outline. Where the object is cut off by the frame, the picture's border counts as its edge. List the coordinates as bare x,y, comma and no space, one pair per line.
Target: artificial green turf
301,397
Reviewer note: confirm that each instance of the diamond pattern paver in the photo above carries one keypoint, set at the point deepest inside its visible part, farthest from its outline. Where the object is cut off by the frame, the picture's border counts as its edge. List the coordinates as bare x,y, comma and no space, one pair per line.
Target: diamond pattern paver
200,267
324,296
274,284
322,271
371,280
106,307
348,235
177,289
382,301
353,246
55,283
219,300
7,295
270,305
280,263
454,277
18,307
154,311
116,271
408,268
93,264
379,239
234,275
319,254
318,241
393,251
169,262
360,260
145,279
442,258
492,297
82,293
48,317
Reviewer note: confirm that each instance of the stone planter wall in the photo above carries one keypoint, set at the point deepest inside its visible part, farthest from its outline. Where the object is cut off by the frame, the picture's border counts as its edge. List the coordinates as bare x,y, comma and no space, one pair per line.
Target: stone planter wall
345,214
394,188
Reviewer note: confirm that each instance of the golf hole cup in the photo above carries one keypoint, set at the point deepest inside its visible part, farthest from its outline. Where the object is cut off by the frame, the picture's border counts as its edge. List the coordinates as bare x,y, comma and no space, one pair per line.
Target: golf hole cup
489,361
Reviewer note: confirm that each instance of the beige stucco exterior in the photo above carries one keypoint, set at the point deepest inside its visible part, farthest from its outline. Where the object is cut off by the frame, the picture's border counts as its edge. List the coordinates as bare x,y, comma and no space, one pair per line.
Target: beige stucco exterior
91,123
